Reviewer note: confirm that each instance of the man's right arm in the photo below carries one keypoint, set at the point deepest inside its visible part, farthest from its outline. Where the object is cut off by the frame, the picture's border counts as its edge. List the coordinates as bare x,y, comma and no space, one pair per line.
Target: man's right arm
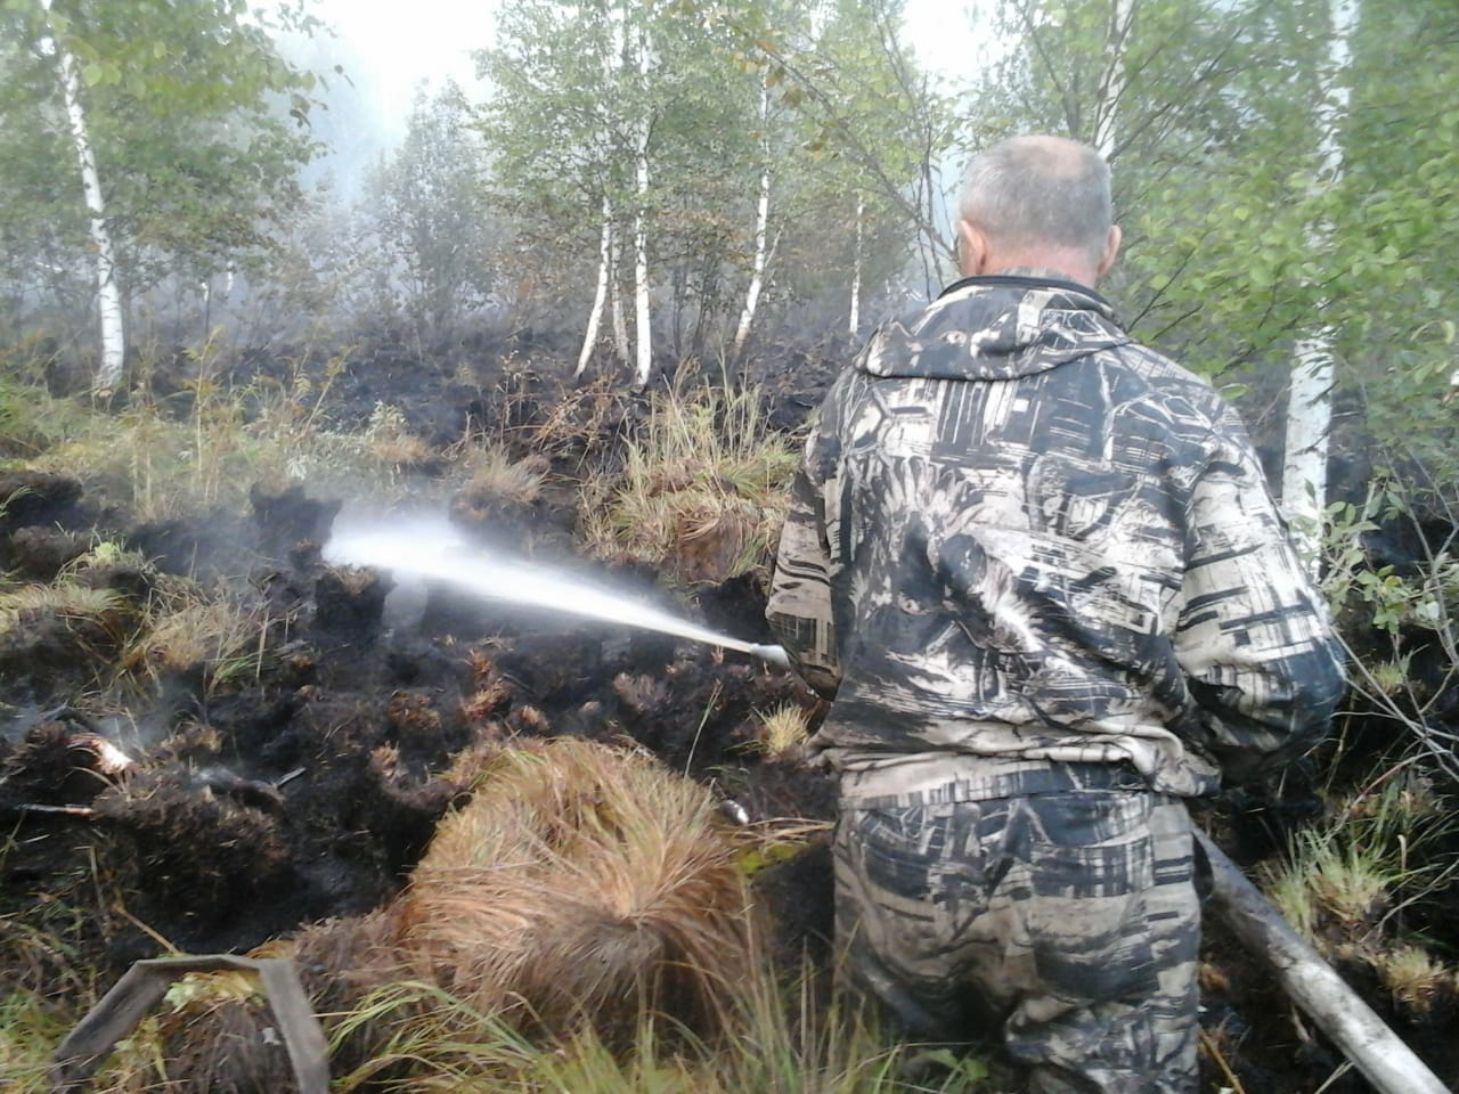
1253,637
799,610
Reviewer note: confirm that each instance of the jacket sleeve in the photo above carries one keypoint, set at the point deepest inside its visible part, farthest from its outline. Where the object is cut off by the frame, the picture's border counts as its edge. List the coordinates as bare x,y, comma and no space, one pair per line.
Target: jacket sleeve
1253,637
799,610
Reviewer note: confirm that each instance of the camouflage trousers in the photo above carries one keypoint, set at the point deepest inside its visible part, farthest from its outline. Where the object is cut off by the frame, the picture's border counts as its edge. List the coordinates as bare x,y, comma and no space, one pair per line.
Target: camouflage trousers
1065,922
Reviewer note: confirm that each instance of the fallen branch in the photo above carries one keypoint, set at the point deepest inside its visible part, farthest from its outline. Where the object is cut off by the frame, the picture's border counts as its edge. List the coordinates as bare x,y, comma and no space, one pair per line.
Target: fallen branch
1375,1050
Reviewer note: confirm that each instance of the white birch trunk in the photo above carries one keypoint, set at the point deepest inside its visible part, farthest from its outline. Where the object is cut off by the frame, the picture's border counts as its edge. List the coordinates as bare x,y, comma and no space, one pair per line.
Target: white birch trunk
1309,407
109,296
620,318
1112,80
642,319
613,63
854,323
595,317
762,222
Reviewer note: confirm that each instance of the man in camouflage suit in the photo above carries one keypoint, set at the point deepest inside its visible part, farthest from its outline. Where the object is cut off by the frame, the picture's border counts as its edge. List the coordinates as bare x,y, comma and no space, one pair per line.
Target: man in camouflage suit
1038,567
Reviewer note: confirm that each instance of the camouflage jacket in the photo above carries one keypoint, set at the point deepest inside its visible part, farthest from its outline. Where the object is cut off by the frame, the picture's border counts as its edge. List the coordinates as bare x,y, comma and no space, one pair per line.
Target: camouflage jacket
1017,535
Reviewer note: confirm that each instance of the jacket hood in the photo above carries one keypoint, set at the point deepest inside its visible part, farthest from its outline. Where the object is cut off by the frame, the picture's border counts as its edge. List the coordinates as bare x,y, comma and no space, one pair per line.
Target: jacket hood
995,328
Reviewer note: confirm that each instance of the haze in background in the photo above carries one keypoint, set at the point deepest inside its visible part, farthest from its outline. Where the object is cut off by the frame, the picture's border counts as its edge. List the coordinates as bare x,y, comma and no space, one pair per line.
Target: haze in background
390,49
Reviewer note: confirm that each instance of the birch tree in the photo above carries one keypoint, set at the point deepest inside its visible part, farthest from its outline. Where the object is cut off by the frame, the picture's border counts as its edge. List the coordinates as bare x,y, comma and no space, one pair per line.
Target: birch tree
860,91
108,294
569,124
869,132
1309,408
607,286
145,140
643,323
762,222
600,295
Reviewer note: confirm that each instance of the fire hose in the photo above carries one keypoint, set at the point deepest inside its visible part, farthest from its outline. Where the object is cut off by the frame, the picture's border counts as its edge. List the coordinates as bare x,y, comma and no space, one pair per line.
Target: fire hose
1374,1049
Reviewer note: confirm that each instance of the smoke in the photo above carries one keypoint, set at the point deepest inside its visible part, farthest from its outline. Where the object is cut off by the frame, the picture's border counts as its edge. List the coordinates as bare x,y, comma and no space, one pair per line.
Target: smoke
373,62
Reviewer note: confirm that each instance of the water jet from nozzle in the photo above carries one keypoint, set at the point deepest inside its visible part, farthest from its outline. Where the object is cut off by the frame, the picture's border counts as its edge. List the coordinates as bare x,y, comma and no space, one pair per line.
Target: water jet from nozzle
436,551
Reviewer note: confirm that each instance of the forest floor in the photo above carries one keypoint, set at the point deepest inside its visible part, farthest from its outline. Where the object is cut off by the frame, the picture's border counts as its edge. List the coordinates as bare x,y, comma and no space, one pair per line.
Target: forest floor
209,738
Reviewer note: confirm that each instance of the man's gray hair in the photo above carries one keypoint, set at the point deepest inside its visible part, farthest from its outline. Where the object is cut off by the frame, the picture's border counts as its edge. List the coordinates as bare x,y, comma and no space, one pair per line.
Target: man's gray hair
1031,191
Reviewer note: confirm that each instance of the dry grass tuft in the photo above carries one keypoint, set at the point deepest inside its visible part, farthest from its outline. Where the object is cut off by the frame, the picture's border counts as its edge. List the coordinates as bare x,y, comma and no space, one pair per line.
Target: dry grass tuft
63,600
784,729
497,477
389,441
105,553
1414,977
582,886
701,492
583,891
185,631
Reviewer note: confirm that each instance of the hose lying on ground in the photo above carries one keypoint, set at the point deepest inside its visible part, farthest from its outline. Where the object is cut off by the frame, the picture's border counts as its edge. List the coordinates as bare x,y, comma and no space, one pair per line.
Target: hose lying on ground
1375,1050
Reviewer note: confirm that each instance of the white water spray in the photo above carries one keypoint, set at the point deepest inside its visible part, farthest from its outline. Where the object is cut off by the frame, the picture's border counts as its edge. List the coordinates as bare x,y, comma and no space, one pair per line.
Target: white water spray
435,550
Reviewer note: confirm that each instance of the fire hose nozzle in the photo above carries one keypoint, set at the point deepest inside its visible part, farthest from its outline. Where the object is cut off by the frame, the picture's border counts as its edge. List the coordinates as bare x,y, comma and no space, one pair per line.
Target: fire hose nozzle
775,655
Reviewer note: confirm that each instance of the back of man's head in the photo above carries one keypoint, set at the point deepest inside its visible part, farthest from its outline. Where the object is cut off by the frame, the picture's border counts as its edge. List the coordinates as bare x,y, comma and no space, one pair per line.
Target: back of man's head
1037,195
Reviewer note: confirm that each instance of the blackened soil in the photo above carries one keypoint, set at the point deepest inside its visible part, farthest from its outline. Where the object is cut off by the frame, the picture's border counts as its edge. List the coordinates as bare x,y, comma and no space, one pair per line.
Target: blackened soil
309,789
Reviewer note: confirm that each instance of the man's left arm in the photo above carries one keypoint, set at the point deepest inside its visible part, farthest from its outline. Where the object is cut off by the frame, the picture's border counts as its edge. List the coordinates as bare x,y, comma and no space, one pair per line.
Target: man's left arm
1254,637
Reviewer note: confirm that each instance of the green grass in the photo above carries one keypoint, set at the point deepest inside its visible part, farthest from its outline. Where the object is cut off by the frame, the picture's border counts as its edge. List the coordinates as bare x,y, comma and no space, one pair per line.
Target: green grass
31,1026
781,1039
784,1040
1345,883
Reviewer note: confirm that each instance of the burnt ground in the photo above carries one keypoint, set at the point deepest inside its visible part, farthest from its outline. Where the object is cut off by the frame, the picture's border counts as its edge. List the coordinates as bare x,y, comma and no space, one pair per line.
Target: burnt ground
308,787
311,791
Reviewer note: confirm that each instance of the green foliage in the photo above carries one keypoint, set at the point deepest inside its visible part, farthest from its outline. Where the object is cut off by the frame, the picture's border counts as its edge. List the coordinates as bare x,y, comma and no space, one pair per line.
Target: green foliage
1421,597
1243,236
846,119
870,126
197,123
428,209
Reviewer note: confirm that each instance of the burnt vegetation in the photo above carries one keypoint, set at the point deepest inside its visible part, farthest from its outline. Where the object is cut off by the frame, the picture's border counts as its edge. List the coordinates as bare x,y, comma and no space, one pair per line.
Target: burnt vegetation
509,849
474,825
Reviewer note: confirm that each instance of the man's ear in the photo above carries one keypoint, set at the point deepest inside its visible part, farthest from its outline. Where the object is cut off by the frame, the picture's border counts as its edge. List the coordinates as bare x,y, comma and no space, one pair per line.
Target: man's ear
1111,249
972,249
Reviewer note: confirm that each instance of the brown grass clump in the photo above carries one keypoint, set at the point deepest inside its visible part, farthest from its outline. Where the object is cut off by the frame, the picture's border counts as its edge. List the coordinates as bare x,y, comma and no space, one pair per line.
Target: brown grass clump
484,703
582,886
583,890
701,492
496,476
